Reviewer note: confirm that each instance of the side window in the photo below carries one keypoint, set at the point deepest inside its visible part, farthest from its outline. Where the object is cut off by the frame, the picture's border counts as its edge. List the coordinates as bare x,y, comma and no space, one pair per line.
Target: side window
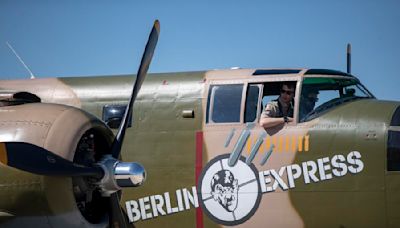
393,151
318,95
393,144
274,90
250,113
224,103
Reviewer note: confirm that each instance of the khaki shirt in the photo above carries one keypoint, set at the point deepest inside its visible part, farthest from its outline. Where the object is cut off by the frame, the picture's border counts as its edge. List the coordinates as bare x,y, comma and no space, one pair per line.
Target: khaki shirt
272,110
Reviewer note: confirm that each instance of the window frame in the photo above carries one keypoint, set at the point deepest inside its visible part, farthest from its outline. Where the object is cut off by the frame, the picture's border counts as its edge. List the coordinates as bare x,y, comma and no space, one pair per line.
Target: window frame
298,81
259,101
301,82
260,81
210,105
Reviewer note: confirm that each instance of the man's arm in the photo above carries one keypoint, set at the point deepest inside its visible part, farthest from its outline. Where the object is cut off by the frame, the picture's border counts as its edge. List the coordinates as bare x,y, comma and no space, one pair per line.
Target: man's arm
268,116
268,122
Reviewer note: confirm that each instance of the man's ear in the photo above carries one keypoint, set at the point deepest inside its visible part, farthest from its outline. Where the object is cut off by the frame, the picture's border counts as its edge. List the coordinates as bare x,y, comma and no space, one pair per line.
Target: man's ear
235,184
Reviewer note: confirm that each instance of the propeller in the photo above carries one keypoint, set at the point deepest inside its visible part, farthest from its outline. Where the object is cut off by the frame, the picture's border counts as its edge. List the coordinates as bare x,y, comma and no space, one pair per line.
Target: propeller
117,215
144,66
34,159
117,219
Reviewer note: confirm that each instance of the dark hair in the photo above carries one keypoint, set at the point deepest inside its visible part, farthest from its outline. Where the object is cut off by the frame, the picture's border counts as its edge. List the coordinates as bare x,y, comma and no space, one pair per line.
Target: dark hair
309,90
290,85
223,177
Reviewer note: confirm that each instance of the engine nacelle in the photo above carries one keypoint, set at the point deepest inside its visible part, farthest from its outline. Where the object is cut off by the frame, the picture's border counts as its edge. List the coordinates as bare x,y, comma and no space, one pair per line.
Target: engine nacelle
53,201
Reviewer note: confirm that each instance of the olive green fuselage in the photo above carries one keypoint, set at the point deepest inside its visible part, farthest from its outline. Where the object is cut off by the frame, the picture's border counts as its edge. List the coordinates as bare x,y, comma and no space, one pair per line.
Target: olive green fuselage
164,140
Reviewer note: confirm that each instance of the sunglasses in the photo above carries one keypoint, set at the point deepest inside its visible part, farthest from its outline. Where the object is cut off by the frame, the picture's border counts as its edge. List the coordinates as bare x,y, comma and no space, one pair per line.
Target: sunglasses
288,92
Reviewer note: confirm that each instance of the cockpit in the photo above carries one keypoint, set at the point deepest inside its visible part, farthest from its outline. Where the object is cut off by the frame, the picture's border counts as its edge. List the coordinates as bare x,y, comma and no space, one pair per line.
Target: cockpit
317,91
321,94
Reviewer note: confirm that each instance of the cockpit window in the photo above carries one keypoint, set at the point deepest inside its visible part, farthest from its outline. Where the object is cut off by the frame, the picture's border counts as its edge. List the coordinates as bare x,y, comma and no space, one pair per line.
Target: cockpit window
321,94
225,103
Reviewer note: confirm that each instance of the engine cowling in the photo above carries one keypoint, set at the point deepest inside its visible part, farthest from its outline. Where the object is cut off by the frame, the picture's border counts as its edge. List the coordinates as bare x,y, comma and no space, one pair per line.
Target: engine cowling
53,201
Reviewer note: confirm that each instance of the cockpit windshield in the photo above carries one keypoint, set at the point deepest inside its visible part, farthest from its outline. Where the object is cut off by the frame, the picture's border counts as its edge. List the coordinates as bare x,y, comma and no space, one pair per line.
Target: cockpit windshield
319,95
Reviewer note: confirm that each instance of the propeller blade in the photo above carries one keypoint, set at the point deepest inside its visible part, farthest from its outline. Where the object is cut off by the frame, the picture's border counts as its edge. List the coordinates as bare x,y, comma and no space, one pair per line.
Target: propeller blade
117,217
35,159
144,66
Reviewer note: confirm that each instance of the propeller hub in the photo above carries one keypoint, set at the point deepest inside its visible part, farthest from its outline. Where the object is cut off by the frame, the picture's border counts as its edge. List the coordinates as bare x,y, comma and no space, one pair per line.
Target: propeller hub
118,175
108,184
129,174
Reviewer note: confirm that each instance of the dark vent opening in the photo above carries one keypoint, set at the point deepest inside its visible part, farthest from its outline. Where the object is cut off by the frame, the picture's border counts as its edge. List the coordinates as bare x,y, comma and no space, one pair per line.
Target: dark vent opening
276,71
18,99
326,72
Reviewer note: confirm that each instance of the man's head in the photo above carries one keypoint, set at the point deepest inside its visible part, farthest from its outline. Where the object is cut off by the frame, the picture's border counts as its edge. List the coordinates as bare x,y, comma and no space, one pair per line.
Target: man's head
309,98
287,92
224,189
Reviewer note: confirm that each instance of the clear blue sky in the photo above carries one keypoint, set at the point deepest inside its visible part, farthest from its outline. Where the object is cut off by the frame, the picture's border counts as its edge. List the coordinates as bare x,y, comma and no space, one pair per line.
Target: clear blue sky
78,38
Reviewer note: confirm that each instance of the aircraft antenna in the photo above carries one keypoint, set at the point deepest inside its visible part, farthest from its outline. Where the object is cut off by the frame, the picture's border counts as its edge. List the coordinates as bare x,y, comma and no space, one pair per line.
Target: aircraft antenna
20,59
349,58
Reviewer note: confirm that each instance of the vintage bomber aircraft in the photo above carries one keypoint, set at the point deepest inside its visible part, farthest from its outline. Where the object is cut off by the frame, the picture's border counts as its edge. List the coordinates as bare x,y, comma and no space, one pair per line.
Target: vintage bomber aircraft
208,161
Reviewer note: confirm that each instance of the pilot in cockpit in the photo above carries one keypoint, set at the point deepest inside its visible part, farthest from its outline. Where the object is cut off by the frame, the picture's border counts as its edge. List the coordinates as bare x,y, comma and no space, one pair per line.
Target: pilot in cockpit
279,111
308,98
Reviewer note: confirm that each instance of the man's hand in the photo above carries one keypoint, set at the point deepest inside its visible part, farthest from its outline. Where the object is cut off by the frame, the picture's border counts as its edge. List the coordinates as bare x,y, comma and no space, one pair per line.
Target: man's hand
287,119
